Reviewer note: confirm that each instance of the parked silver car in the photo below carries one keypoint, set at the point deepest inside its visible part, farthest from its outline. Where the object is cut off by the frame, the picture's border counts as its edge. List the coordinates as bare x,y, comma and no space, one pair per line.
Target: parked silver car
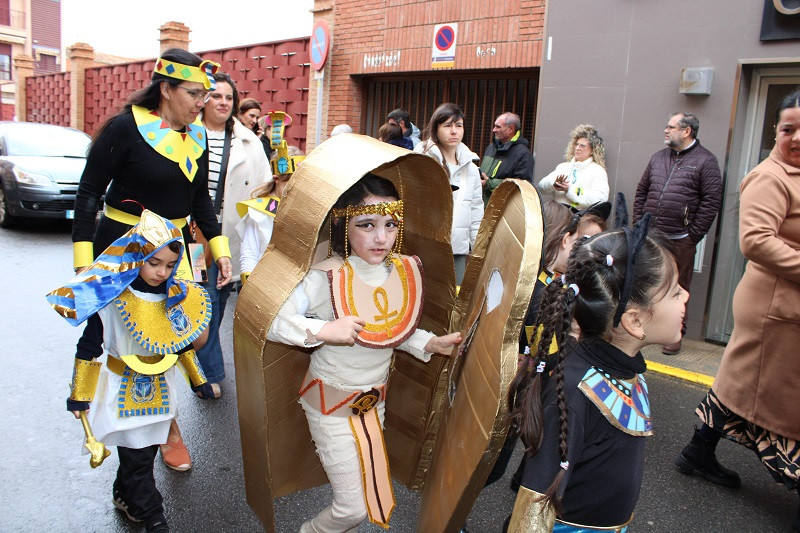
40,167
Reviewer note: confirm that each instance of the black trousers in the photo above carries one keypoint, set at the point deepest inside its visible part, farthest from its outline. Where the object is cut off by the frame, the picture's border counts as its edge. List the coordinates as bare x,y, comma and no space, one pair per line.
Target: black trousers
503,457
136,483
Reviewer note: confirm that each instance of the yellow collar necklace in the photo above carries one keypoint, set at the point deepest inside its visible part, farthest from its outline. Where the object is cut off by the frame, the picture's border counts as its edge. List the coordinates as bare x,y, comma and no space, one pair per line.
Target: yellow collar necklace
182,148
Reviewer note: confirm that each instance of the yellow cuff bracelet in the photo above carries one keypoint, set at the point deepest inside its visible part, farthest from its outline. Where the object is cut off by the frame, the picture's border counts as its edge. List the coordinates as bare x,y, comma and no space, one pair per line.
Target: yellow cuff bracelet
243,277
531,513
84,380
219,247
82,253
192,366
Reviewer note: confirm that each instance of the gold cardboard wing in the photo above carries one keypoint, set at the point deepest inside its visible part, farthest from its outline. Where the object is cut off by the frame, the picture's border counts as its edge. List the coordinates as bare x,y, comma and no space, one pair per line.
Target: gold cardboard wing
277,450
491,306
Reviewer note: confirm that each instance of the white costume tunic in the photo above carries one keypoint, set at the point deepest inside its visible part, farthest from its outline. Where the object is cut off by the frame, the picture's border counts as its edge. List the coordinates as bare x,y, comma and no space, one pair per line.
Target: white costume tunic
130,431
355,368
255,231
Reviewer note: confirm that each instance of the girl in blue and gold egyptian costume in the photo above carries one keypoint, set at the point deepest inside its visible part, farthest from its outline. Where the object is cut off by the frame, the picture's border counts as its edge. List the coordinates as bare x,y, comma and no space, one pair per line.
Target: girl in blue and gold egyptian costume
147,321
584,426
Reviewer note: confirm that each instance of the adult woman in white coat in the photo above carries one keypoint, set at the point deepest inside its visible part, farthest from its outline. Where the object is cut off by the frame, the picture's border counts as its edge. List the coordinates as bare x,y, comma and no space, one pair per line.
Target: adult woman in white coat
445,132
582,180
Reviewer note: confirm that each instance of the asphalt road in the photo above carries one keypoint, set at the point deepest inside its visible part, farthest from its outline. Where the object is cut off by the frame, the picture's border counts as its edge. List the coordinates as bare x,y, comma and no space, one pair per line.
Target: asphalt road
47,485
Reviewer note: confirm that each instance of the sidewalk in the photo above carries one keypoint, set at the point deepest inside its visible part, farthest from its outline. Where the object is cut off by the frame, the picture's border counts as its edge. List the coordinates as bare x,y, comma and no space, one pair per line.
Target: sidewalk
698,361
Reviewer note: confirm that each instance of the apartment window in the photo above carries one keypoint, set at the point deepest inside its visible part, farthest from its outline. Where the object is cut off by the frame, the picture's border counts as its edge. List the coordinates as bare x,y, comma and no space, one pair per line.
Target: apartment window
5,67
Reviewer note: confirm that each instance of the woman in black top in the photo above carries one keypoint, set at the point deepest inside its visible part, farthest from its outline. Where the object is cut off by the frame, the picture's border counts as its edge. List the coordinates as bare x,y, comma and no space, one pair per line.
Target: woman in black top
152,152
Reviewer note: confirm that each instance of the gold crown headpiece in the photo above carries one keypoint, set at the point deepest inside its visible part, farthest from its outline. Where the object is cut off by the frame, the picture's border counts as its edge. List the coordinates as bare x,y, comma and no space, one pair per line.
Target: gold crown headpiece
154,228
202,74
283,163
392,209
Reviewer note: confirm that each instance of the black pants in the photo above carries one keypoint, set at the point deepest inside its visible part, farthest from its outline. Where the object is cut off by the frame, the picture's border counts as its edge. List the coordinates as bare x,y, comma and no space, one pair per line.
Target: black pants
503,457
136,483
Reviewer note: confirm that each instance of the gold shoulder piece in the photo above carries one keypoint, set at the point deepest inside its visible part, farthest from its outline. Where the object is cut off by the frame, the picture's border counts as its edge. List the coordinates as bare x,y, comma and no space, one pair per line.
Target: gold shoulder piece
531,513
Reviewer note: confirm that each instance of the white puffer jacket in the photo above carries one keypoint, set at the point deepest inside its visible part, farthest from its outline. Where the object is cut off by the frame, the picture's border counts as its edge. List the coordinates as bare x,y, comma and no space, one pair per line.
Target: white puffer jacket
467,200
588,183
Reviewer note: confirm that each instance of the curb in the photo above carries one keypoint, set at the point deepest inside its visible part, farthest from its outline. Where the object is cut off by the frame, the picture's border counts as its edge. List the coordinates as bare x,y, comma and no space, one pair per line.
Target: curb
687,375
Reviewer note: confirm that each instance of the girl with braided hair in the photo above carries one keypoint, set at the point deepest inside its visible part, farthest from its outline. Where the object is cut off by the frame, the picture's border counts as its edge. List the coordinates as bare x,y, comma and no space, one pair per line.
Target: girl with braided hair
583,425
563,228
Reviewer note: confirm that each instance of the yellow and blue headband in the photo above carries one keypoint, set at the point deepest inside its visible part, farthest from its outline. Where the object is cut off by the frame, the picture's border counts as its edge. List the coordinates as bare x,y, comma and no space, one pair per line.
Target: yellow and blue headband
283,163
116,268
203,74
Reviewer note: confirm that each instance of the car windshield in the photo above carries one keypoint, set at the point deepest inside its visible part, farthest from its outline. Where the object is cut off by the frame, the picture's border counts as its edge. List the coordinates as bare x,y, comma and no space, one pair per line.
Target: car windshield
46,141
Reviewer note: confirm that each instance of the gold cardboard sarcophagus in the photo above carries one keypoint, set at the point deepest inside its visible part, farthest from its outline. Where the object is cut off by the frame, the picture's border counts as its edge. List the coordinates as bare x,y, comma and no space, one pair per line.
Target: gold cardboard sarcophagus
277,449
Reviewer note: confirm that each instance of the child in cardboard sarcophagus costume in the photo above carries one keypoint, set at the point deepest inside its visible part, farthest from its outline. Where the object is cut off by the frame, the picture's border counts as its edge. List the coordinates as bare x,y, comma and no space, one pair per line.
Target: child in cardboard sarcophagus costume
373,203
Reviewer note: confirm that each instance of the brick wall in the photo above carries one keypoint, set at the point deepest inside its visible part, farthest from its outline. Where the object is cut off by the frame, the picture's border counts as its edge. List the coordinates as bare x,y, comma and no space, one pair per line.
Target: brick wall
276,74
394,36
47,99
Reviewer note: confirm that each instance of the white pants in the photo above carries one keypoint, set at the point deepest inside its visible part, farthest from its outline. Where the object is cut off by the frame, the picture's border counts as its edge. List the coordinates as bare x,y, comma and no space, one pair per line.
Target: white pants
336,449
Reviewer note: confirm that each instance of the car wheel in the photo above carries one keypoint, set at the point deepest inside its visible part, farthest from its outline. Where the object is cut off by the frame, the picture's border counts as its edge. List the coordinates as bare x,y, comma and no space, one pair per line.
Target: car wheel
6,220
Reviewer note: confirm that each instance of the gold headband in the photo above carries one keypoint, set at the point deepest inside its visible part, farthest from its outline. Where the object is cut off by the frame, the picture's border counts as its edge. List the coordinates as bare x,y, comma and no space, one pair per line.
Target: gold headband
202,74
392,209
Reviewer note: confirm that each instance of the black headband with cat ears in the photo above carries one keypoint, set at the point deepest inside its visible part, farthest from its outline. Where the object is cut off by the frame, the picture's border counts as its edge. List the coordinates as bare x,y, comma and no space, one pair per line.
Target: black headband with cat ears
621,212
635,238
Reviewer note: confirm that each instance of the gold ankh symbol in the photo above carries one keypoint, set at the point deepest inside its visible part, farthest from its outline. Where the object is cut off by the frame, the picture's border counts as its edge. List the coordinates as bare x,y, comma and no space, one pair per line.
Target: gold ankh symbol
365,402
382,304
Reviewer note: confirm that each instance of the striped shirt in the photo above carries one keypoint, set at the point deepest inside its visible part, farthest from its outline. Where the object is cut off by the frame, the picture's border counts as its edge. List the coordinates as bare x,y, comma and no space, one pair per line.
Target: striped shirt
216,139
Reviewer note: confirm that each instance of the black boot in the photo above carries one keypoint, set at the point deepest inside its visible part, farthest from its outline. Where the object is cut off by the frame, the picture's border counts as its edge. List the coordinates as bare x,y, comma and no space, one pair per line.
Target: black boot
698,458
796,525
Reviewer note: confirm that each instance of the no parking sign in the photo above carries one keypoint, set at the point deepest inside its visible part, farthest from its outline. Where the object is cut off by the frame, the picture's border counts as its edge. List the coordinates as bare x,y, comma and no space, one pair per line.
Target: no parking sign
444,45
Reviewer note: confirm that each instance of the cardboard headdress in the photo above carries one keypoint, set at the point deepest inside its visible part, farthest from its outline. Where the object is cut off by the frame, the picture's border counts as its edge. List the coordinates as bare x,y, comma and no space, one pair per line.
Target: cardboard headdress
279,456
116,268
283,163
202,74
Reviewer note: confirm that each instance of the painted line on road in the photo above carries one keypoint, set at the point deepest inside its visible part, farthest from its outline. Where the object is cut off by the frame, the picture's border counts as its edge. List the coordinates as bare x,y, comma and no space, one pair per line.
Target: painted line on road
680,373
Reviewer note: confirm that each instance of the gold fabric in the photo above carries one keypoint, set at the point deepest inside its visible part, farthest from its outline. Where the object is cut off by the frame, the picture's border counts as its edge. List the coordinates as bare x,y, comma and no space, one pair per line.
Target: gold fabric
278,453
192,366
530,514
489,312
158,331
84,380
142,394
